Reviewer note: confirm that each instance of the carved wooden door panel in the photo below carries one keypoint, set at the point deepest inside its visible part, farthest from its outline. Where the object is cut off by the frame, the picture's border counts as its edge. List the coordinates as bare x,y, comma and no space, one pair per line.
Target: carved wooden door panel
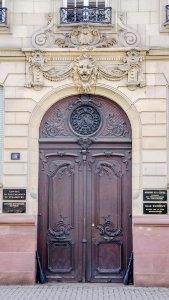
109,226
60,210
84,231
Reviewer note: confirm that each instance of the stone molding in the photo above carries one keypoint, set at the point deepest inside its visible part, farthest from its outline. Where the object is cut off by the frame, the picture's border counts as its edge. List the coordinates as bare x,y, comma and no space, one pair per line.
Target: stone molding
151,220
85,70
85,36
26,220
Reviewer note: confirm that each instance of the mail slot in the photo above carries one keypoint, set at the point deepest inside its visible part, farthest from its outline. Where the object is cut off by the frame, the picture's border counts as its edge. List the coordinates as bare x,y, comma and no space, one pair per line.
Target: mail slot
60,244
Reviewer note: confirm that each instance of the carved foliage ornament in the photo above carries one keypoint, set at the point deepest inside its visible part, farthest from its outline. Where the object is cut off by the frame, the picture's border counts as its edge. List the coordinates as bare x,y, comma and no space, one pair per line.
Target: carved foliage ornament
115,128
107,229
85,71
85,36
55,124
61,232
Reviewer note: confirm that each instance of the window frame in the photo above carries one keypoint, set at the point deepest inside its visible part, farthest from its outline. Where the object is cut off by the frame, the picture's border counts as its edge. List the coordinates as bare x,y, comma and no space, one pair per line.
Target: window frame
86,3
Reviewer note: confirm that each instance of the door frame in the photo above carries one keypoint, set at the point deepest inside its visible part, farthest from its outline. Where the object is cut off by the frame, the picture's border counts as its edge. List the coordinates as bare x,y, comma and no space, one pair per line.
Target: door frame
118,142
46,100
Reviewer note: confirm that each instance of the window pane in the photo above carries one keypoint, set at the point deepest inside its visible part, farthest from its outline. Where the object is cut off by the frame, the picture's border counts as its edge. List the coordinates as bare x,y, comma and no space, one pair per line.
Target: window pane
97,3
70,3
92,3
101,3
79,3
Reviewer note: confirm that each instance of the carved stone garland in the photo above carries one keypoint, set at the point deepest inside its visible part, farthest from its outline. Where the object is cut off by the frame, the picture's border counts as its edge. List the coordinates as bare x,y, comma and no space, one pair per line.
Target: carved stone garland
85,71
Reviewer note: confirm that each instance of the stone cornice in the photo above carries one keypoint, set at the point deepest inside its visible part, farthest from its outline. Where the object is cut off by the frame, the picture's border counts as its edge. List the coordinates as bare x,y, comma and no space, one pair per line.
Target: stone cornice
152,53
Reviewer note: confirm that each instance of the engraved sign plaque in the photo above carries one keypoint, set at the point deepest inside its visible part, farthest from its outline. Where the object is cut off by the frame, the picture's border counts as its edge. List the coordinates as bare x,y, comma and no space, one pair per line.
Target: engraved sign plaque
14,194
155,195
14,207
155,208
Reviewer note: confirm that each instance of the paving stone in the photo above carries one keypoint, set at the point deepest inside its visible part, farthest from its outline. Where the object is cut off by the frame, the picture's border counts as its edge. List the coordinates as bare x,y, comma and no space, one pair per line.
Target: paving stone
81,292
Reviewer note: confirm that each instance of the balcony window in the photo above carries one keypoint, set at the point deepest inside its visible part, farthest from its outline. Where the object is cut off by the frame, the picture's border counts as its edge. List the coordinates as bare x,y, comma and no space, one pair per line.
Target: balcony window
3,13
167,13
85,11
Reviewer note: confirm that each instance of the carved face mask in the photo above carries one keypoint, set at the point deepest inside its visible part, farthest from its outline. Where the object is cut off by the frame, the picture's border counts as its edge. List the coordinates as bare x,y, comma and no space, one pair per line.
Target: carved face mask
85,69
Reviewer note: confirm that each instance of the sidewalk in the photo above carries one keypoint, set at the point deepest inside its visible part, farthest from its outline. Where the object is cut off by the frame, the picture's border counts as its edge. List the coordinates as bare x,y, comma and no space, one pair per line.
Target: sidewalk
82,292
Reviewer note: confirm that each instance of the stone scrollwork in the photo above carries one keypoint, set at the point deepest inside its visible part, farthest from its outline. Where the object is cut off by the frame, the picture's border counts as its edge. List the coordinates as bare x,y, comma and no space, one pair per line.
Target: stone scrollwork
44,37
85,71
85,36
127,36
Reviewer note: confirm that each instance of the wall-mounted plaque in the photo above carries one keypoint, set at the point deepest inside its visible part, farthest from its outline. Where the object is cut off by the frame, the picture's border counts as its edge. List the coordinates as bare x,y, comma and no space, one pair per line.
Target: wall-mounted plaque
14,194
14,207
155,208
155,195
15,156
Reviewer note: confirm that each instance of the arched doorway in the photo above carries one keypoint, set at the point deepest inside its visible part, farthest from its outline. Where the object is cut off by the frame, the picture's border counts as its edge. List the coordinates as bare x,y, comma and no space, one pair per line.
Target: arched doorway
84,231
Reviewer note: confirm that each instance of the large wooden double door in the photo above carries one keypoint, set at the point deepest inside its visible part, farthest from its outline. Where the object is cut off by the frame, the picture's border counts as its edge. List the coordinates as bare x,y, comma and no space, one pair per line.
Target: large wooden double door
85,192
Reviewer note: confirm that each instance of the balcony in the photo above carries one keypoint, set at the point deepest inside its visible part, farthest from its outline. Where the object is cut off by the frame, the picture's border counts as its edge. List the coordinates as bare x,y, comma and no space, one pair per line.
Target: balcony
85,14
167,14
3,15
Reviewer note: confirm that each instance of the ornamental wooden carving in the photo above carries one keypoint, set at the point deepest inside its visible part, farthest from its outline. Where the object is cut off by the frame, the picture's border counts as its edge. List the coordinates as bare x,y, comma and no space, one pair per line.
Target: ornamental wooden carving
96,117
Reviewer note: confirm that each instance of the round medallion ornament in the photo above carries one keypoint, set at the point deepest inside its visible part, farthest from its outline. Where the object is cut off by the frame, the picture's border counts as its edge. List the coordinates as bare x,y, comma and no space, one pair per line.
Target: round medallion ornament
85,120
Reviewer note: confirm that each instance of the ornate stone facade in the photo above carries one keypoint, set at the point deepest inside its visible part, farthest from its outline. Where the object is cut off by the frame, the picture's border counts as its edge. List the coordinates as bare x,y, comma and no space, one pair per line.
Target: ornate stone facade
85,36
85,71
127,62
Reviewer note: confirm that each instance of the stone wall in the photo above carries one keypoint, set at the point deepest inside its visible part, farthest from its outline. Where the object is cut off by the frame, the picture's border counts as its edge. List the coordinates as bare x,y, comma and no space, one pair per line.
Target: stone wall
25,17
25,105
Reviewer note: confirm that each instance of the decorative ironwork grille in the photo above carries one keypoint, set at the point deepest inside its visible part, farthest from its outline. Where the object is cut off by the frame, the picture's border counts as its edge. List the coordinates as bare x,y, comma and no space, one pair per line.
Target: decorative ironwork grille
3,15
167,13
85,14
85,120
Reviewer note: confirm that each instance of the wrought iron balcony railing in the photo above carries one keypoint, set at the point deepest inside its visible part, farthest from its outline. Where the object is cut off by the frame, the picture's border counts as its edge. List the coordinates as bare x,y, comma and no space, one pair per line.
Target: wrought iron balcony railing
85,14
167,13
3,15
